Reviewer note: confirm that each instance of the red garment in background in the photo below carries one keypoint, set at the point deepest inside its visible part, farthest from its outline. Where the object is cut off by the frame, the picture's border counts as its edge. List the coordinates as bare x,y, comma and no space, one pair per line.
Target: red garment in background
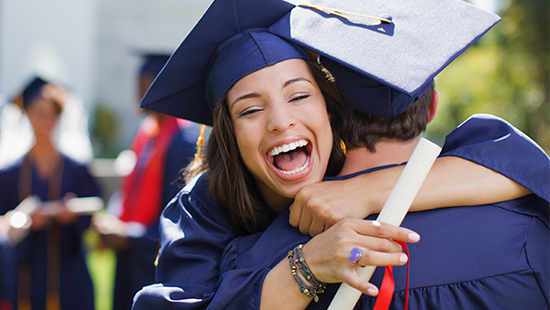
142,189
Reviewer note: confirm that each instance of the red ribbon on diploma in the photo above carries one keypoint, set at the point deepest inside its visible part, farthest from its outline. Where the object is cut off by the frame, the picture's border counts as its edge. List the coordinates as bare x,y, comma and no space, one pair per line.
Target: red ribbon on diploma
388,285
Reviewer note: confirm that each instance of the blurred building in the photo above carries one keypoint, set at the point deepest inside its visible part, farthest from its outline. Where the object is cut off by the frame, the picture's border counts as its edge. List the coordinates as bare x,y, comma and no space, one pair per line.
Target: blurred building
92,47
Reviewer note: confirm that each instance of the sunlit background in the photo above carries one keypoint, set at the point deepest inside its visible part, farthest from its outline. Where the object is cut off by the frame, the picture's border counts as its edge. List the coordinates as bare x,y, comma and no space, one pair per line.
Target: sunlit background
505,73
93,48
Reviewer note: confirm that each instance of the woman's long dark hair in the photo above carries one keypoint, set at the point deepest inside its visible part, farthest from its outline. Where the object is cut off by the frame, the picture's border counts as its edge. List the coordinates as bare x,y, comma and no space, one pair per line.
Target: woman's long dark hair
230,181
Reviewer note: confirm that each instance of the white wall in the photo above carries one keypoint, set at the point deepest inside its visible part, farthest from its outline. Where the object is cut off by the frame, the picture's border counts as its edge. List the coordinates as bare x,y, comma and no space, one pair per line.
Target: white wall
55,38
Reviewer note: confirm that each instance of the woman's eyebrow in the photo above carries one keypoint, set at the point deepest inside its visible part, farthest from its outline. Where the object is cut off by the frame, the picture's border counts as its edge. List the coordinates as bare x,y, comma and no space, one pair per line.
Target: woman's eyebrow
245,96
256,95
298,79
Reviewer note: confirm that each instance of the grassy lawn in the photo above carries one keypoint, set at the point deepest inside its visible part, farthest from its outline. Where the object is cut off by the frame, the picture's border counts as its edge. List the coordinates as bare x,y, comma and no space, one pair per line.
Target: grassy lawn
101,264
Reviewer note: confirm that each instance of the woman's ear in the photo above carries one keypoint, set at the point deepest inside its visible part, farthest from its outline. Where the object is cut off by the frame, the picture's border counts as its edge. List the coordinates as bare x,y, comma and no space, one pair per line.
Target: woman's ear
433,105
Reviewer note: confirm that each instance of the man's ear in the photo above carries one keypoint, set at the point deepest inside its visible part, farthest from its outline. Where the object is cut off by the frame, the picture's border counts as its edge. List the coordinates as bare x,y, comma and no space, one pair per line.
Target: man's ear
433,106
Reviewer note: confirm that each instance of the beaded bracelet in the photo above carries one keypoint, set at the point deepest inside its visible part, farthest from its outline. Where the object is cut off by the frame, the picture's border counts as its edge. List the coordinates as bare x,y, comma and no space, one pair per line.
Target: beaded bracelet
304,269
309,291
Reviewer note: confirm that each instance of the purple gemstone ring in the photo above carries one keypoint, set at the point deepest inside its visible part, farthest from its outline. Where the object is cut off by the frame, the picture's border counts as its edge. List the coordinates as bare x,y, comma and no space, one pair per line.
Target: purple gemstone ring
355,256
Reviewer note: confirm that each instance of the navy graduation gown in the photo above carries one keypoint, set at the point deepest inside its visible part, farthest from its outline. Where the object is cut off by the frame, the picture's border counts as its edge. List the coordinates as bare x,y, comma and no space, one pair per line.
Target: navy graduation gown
193,273
75,286
135,265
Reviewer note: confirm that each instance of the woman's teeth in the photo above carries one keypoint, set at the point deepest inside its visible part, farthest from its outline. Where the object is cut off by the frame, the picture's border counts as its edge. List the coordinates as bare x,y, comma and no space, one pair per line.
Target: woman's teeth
288,147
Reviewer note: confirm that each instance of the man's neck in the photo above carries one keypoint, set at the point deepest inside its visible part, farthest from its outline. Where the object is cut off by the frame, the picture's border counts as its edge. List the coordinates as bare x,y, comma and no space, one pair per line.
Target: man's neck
388,152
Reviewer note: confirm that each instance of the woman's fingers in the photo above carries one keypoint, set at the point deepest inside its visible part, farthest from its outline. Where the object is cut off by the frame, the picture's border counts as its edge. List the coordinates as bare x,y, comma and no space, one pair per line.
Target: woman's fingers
377,258
316,227
353,280
295,213
384,230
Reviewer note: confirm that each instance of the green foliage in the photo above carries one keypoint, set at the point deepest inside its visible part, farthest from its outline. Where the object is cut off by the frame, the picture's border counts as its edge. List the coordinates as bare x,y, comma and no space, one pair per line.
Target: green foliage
104,131
506,74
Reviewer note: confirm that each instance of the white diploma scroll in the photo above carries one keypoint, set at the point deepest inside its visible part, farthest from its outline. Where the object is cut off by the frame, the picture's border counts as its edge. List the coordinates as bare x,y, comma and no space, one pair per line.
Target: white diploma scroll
394,211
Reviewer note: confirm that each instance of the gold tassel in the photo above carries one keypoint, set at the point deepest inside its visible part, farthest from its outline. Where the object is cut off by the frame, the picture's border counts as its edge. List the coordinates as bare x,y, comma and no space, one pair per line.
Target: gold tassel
343,147
157,259
197,164
200,143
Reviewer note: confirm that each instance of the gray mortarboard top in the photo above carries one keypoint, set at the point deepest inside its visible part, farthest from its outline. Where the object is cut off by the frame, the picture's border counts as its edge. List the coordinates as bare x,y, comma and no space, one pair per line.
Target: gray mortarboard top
383,65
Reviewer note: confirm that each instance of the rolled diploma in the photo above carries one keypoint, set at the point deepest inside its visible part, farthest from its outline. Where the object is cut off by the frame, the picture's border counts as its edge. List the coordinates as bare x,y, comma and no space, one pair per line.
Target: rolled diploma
394,211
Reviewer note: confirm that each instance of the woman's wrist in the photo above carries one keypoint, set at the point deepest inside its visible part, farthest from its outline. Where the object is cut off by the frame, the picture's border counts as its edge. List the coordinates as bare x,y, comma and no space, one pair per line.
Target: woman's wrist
308,284
378,185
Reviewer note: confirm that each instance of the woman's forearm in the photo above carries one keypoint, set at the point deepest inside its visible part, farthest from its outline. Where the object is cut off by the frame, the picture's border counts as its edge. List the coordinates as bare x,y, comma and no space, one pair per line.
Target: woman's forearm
454,181
280,291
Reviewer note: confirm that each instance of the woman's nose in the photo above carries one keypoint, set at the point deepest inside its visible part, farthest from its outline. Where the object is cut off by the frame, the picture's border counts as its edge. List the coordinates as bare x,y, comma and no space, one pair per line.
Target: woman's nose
280,119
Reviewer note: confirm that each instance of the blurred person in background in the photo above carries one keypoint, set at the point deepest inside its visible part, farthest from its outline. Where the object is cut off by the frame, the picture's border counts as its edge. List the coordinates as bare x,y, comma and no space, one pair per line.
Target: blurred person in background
163,145
52,273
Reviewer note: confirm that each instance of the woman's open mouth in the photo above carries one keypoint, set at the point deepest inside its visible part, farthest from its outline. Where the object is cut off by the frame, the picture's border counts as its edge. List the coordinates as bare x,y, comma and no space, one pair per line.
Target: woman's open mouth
291,158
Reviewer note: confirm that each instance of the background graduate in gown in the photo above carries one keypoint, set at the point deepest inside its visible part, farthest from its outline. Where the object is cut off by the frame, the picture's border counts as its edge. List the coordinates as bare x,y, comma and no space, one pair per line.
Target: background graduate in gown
52,269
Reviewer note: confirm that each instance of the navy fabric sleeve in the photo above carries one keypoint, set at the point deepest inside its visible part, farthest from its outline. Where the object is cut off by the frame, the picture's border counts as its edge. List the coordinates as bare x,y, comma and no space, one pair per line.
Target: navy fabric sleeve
194,234
178,156
537,255
236,282
494,143
248,259
237,289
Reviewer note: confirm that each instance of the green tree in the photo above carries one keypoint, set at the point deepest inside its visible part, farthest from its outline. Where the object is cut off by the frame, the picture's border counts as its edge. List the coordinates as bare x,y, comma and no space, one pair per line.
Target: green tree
506,73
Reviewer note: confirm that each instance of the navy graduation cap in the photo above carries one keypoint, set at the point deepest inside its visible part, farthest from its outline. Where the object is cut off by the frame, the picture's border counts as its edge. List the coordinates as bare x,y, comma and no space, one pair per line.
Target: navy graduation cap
382,63
31,90
153,63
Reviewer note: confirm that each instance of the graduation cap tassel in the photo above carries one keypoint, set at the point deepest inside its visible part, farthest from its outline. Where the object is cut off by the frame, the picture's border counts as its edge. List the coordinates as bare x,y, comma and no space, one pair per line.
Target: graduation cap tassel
196,166
200,144
374,20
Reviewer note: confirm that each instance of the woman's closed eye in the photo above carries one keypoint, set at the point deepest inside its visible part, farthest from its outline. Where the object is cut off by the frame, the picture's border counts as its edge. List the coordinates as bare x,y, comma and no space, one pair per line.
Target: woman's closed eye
300,97
249,111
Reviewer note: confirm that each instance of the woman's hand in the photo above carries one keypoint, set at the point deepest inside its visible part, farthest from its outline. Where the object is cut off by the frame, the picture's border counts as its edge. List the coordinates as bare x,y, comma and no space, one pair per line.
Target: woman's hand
112,231
319,206
327,254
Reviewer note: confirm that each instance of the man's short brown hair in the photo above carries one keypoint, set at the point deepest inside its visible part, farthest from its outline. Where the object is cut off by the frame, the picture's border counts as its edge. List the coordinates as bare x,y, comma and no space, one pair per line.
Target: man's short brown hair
365,130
